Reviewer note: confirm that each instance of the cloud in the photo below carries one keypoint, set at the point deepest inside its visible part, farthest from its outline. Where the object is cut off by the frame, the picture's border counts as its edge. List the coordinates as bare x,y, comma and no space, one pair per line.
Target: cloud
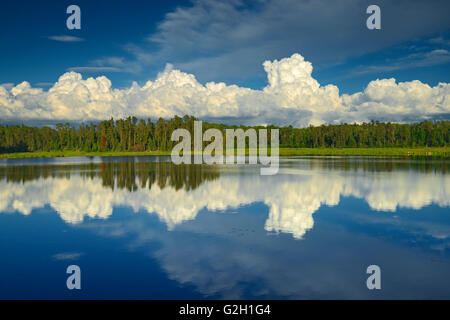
94,69
440,41
422,59
112,61
65,38
292,96
120,64
388,100
67,256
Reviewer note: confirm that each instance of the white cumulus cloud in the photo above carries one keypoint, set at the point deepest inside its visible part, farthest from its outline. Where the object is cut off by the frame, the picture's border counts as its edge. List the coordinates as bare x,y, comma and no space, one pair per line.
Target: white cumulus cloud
292,96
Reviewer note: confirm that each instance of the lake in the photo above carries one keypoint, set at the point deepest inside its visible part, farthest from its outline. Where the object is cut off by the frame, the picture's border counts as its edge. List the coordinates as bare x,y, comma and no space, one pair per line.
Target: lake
144,228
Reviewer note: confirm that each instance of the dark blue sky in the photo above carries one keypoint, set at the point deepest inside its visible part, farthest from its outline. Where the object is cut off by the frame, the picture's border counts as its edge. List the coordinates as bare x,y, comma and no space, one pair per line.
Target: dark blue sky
133,40
106,26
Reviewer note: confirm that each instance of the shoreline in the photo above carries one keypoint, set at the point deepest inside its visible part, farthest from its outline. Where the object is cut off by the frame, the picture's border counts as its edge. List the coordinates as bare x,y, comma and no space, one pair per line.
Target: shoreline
284,152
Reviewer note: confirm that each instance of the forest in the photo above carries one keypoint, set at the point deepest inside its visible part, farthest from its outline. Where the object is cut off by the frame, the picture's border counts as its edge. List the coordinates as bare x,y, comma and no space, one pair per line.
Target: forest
132,134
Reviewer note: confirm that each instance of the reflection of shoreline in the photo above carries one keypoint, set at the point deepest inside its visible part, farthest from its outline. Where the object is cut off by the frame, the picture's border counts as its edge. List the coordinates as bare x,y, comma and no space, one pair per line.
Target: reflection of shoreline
22,170
178,193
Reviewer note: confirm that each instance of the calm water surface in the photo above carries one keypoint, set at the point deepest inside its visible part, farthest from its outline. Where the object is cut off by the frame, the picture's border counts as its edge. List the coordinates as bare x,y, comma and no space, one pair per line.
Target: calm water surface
145,228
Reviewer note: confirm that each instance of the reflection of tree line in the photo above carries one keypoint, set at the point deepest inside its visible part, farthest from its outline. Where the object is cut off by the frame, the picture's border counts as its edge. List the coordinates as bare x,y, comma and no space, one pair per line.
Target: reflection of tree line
124,175
387,164
132,174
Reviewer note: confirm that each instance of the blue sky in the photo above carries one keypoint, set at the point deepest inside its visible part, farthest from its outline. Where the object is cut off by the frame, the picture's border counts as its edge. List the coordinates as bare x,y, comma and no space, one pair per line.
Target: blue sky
225,41
107,27
115,28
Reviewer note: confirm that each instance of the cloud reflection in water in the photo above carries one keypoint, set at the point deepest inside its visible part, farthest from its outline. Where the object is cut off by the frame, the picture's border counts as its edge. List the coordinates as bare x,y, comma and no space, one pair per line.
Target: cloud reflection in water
177,193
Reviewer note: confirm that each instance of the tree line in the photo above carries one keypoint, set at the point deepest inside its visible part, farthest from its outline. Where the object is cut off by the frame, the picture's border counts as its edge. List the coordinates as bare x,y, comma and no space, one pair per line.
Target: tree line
132,134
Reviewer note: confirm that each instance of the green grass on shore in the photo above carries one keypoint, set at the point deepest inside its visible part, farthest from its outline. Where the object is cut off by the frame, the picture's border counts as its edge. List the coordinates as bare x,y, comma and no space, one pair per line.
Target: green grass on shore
434,151
54,154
